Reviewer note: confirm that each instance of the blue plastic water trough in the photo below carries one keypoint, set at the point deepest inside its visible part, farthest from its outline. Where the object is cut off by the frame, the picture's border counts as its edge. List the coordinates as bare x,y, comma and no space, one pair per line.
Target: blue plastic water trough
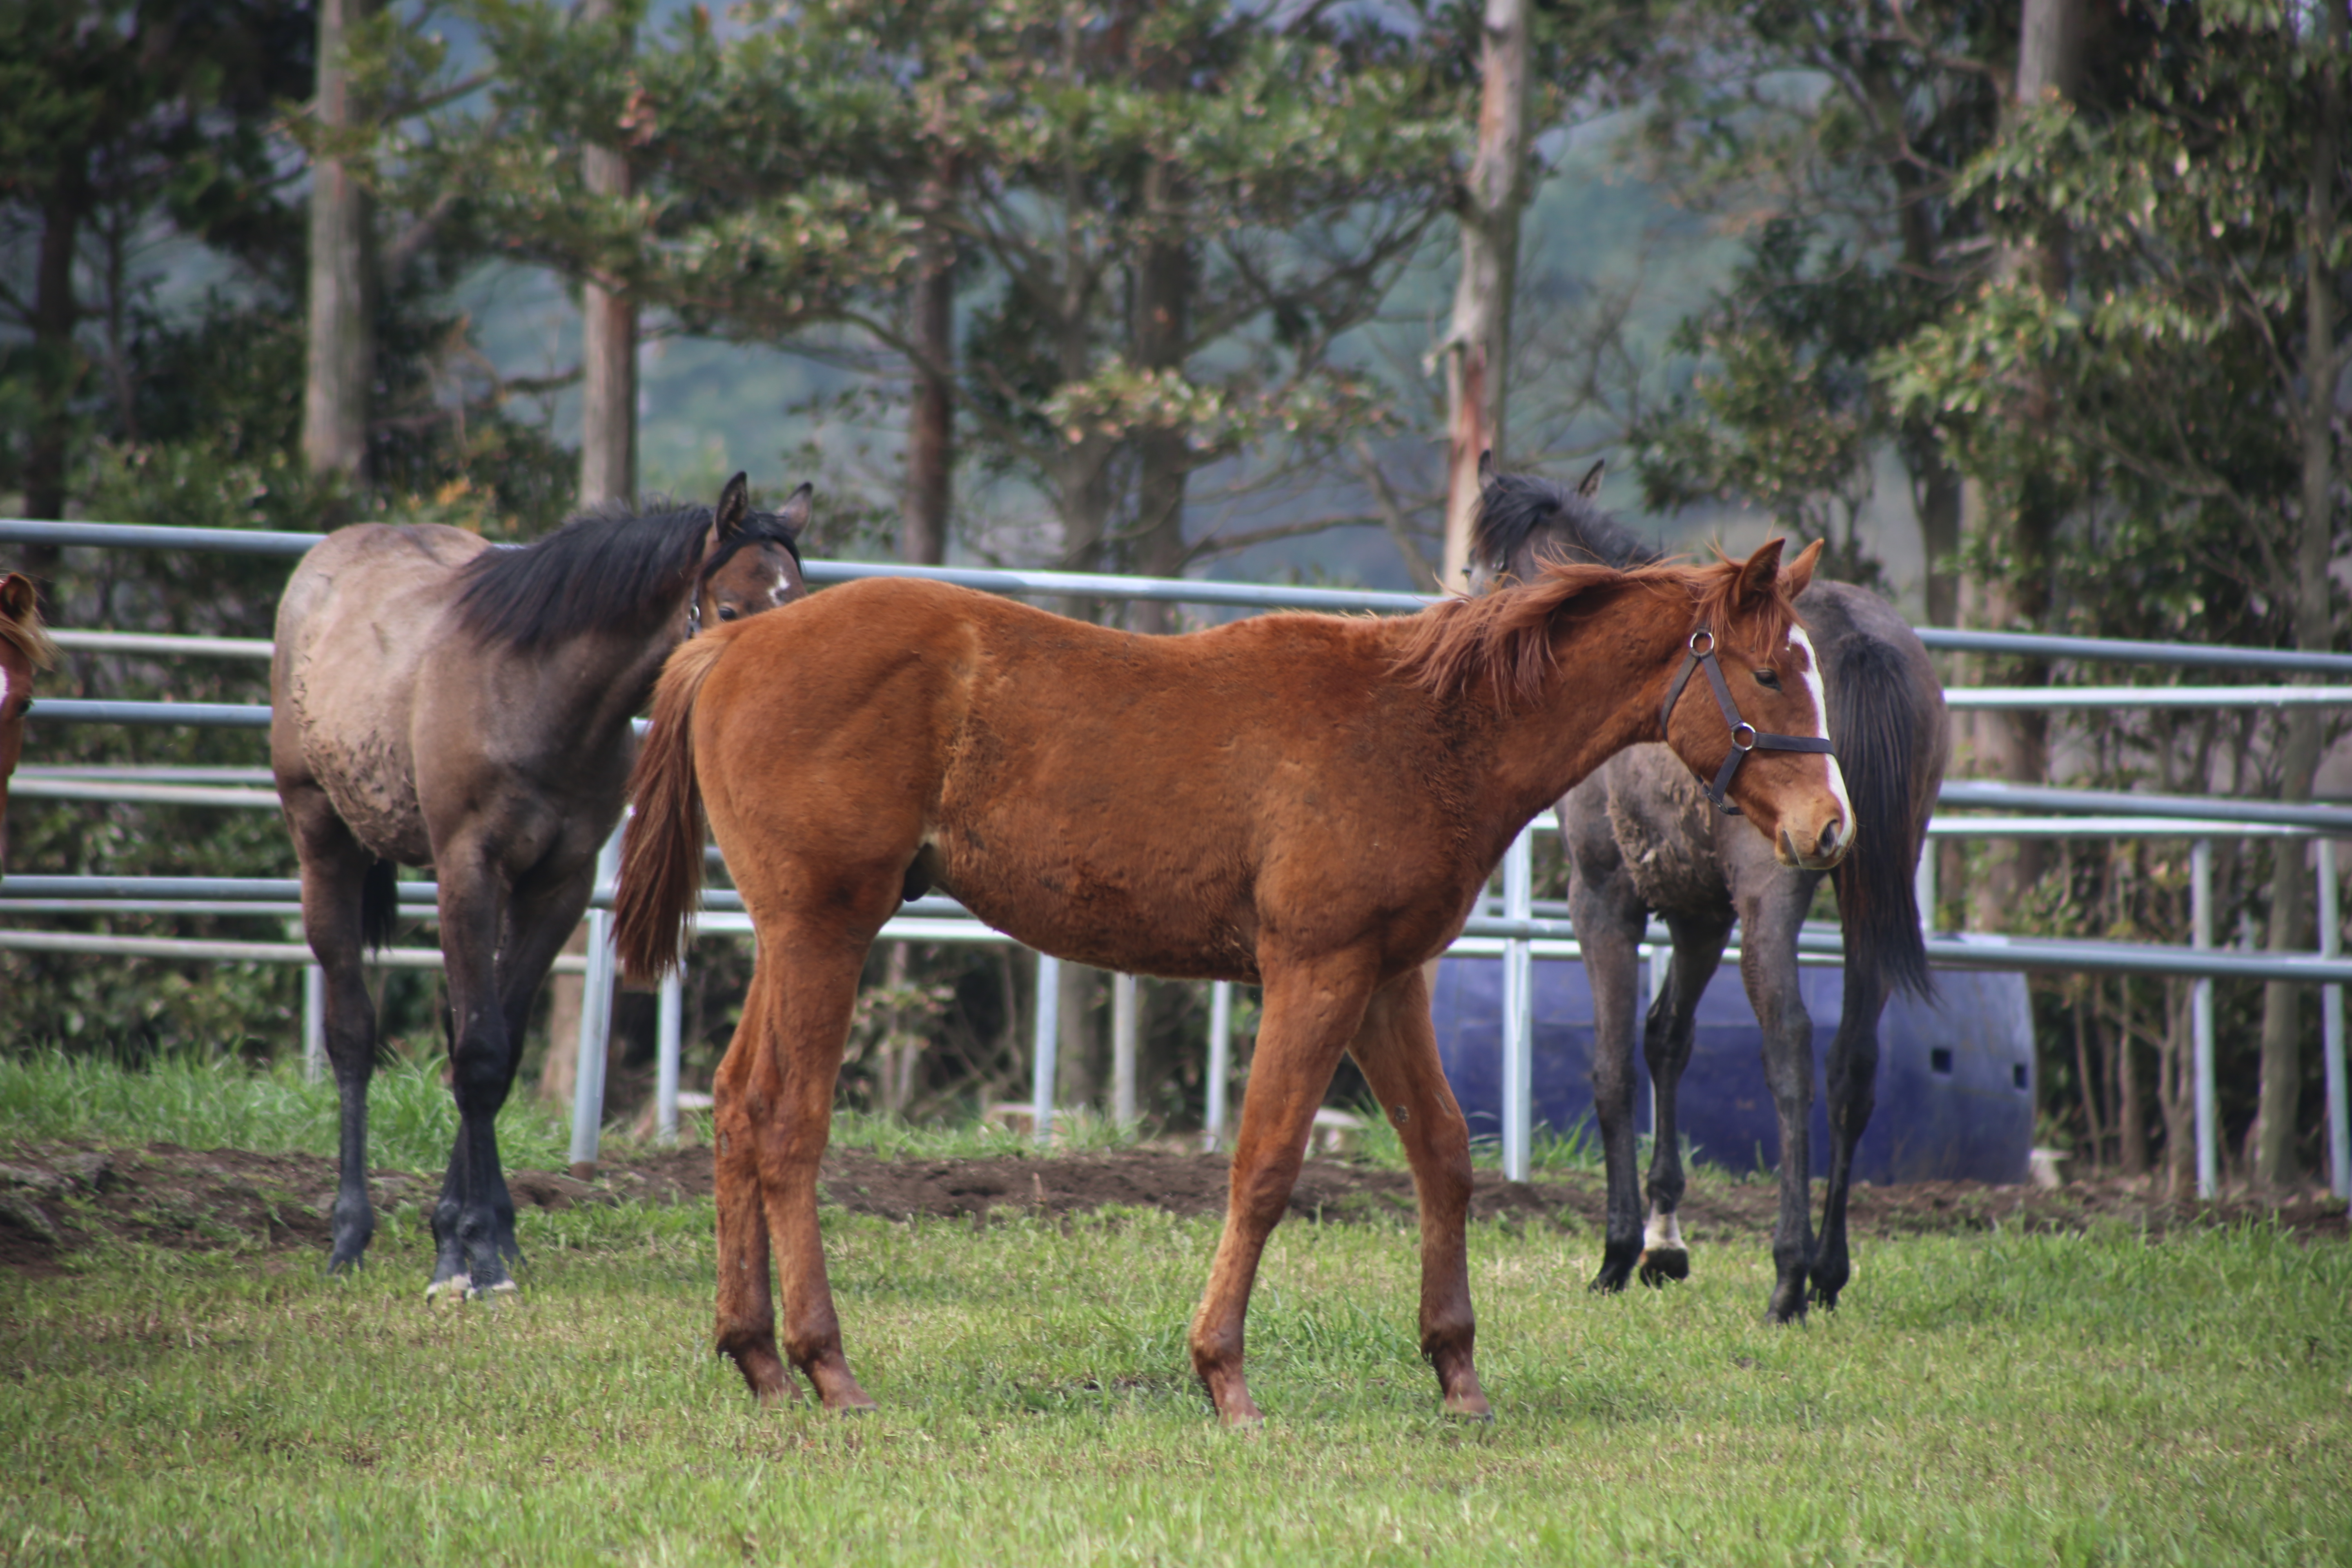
1954,1078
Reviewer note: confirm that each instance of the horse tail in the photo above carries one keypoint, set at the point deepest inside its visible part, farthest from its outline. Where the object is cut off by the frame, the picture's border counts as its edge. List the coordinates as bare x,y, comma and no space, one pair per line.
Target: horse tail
661,850
379,904
1883,739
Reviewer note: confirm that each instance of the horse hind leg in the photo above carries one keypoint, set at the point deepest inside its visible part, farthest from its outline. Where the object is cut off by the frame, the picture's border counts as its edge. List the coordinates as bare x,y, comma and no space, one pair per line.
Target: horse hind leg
1397,1050
1666,1045
747,1315
1853,1094
1767,963
475,1211
335,869
779,1102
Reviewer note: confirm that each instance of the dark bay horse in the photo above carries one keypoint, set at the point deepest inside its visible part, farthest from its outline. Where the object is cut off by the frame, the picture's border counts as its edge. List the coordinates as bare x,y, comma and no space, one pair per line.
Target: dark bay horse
440,702
1642,835
25,647
1309,803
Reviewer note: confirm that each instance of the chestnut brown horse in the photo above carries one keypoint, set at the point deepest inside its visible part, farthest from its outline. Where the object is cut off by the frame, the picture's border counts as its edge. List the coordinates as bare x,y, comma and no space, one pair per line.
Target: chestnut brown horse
25,647
441,702
1311,803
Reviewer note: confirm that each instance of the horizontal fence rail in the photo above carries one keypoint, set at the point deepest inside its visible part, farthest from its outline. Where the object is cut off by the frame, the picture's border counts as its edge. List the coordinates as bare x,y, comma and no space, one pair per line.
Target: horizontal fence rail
1205,591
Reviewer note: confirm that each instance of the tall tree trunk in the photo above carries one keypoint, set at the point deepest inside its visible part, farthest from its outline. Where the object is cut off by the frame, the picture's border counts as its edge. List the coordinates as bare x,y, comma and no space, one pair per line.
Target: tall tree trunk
1164,299
930,417
341,349
2274,1141
608,471
608,343
2015,744
58,364
1477,345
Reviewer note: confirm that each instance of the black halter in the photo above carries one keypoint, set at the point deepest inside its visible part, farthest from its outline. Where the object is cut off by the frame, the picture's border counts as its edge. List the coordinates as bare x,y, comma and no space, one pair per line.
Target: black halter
1758,739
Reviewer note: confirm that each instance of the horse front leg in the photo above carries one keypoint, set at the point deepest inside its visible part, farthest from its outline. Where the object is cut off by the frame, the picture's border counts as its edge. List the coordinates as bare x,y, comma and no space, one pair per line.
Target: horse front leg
1769,919
334,873
1397,1049
1666,1045
1608,916
1313,1009
1853,1094
475,1210
540,916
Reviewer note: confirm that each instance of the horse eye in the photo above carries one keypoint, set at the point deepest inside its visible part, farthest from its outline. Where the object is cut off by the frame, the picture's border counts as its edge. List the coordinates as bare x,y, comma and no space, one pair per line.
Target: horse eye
727,611
1768,681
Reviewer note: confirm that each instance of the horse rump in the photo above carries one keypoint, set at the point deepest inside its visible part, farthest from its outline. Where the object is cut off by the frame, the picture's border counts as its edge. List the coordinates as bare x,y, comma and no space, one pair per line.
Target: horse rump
661,848
1881,735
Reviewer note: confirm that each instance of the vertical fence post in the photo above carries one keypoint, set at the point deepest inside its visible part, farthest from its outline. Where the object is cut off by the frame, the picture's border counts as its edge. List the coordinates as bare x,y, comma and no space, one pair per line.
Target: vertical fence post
2200,1006
2331,1026
595,1020
1122,1049
1923,884
1518,1012
314,1023
1048,1038
1221,1063
668,1026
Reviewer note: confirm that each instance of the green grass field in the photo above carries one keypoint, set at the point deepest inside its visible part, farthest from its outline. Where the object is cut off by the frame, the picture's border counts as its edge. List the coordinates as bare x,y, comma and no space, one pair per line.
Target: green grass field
1977,1400
1995,1398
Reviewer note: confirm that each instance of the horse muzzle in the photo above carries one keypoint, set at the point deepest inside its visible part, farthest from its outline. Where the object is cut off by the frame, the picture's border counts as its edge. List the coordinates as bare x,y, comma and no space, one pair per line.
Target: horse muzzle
1825,847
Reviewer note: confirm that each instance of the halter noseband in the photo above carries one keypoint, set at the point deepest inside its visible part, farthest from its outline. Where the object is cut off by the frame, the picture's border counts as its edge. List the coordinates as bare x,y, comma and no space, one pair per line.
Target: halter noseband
1758,739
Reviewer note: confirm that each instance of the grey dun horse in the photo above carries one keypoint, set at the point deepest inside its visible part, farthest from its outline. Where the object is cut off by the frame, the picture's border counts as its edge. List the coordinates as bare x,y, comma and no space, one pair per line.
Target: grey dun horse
1643,836
441,702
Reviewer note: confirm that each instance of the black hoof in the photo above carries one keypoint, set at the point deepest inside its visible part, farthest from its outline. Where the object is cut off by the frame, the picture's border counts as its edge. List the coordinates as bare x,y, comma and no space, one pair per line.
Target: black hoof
1662,1264
1610,1280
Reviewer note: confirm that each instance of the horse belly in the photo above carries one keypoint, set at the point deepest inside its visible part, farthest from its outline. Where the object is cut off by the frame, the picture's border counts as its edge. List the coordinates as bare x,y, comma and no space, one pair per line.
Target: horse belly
1664,828
1101,909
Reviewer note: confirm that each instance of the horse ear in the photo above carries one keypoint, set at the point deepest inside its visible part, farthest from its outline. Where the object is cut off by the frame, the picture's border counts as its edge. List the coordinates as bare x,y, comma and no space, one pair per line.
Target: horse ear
1589,486
1486,469
1758,574
1798,574
795,513
734,505
18,594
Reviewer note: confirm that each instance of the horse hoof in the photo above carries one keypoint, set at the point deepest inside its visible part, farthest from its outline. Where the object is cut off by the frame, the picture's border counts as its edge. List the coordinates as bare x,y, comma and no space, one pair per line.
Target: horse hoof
504,1289
455,1288
1663,1263
1608,1282
1473,1409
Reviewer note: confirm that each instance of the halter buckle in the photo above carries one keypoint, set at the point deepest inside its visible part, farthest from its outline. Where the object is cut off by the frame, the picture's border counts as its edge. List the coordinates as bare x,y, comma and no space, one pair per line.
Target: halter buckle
1697,651
1748,744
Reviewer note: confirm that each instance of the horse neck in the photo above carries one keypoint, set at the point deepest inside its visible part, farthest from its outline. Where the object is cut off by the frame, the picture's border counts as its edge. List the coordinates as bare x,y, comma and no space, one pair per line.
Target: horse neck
1610,669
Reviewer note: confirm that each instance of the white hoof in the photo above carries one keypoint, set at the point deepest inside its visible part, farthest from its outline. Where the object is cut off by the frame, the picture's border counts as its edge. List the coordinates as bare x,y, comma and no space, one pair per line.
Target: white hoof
456,1287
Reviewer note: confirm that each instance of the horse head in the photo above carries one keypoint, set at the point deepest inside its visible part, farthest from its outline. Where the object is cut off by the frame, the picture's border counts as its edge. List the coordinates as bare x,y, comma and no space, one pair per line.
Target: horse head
1748,714
751,559
25,647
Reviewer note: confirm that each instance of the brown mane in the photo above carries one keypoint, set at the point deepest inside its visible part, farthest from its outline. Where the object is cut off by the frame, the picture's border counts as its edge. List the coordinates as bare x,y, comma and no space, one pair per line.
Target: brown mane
28,636
1505,637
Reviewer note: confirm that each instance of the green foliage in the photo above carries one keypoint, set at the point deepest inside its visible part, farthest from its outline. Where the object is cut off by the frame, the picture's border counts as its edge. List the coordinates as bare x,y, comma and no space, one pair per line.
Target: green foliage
1981,1399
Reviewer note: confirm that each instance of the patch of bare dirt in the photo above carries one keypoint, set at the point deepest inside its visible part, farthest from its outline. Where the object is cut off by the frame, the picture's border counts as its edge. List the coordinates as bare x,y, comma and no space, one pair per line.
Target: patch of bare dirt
55,1198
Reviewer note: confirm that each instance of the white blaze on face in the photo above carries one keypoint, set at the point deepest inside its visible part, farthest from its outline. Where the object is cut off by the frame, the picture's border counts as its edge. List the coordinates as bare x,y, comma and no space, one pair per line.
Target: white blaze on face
1802,647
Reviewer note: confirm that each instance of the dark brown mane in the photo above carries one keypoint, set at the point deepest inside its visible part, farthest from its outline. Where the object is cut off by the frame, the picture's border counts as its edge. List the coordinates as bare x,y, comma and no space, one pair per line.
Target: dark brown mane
28,636
1504,637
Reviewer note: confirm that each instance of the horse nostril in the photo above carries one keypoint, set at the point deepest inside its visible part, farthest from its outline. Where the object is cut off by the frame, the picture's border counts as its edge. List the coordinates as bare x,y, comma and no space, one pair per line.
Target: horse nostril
1829,840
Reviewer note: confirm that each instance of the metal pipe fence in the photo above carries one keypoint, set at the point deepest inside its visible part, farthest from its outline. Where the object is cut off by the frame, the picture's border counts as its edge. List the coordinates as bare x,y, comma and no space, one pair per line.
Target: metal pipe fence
2105,814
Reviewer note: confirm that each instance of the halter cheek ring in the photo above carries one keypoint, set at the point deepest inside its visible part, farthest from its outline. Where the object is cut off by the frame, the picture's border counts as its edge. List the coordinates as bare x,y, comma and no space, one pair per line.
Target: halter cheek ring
1758,739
